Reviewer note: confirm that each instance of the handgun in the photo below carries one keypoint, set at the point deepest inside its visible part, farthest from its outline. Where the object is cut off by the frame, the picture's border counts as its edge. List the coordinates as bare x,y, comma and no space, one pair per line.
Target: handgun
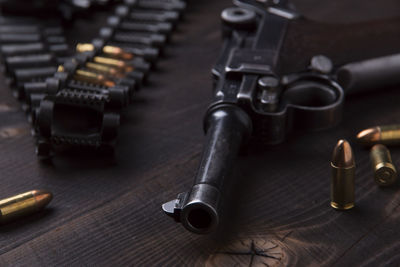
253,100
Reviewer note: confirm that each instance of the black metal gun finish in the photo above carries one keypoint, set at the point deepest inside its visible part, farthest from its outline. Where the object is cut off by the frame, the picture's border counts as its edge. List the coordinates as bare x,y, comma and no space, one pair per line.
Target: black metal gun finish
253,100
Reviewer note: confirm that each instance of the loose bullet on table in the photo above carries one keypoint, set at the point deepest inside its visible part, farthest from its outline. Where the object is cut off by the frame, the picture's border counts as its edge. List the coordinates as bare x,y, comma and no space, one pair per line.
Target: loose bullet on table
343,173
385,173
387,135
23,204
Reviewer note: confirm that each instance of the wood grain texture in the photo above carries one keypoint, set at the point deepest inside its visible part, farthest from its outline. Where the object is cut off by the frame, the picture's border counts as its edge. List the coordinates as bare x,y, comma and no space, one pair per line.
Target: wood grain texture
107,211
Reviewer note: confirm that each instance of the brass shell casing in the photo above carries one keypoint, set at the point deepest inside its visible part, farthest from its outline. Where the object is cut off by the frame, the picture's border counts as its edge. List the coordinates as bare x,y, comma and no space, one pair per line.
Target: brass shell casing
343,175
342,187
385,173
85,47
390,134
111,51
386,135
92,77
23,204
117,52
116,63
104,69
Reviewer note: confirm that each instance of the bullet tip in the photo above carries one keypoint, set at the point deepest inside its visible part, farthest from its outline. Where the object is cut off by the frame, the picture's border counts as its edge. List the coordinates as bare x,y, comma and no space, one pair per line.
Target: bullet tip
43,197
369,136
343,155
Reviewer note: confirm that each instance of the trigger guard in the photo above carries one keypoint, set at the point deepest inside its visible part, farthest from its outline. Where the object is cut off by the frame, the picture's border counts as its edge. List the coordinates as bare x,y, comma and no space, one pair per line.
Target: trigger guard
313,102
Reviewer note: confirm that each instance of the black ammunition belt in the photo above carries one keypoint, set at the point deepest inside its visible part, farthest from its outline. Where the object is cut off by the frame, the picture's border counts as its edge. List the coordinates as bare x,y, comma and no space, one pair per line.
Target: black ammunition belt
75,99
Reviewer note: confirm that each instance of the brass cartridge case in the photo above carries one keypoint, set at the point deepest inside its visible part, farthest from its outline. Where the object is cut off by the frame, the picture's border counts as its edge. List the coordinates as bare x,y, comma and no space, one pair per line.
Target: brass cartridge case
386,135
385,173
104,69
343,174
23,204
114,51
111,51
85,47
119,64
60,68
92,77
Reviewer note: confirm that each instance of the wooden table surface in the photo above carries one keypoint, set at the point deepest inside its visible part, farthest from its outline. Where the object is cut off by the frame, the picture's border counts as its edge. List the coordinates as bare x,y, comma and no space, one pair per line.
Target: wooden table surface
107,211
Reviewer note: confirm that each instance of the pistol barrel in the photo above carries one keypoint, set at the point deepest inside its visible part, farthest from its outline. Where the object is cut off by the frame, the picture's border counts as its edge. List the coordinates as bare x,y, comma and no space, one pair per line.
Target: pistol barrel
227,127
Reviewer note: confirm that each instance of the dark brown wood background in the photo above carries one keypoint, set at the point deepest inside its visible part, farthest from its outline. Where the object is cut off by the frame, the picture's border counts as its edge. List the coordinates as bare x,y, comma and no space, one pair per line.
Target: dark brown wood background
108,211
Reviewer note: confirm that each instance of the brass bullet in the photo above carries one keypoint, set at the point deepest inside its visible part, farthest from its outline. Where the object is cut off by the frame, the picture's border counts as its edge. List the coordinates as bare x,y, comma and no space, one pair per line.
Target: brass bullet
92,77
111,51
85,47
114,51
60,68
387,135
104,69
23,204
385,173
343,173
120,64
